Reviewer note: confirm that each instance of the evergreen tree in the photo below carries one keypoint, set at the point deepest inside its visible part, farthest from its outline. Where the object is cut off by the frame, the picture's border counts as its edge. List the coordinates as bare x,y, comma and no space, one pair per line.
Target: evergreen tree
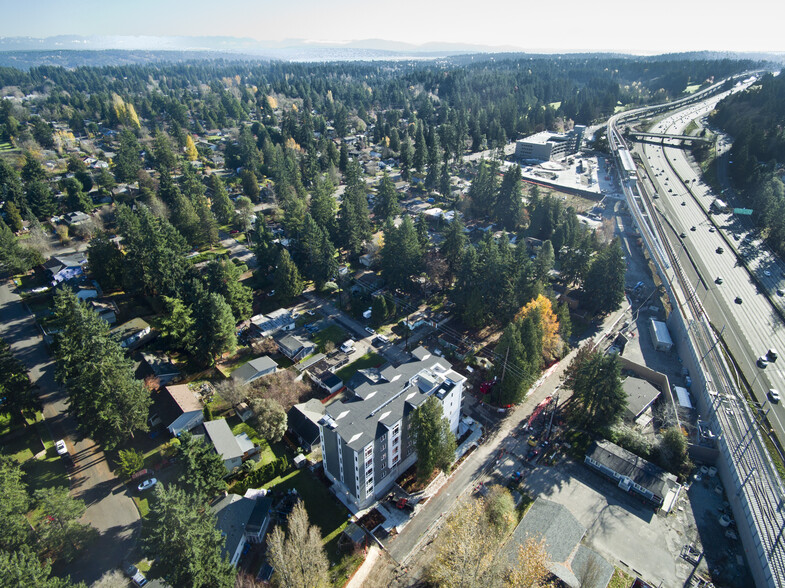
108,403
204,468
604,285
354,225
15,388
23,568
454,244
207,223
11,189
178,324
223,277
286,278
13,507
250,184
222,205
315,253
184,542
599,399
105,261
386,204
401,255
163,155
76,198
509,204
127,163
420,149
433,439
482,193
40,200
32,170
323,207
216,328
264,247
15,258
544,261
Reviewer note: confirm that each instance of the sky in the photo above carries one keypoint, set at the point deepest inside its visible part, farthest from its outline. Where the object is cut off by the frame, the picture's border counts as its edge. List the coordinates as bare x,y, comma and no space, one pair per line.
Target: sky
567,25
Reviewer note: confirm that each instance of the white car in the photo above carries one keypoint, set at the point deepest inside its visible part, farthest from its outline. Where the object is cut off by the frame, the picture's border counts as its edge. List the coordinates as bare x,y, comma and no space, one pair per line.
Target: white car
774,396
370,330
347,346
147,484
61,447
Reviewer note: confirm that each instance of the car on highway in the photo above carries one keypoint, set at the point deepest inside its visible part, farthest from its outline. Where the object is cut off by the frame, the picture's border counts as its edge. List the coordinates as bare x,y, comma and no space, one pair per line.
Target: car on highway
738,300
61,447
147,484
762,361
719,250
780,292
683,235
683,203
693,228
767,273
712,229
718,280
772,355
774,396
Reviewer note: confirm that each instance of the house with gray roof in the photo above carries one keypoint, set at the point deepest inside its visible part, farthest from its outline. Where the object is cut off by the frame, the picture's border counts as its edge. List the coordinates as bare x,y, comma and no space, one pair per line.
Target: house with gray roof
365,437
640,396
295,348
574,564
66,266
272,323
241,521
254,369
634,474
303,422
225,443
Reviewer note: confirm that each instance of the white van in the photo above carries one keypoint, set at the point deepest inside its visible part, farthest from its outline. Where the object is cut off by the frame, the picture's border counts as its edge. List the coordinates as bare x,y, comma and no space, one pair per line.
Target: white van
347,346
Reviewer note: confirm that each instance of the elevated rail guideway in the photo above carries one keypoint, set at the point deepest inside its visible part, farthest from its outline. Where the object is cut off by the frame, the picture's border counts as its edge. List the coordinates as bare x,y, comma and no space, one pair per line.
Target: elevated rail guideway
753,487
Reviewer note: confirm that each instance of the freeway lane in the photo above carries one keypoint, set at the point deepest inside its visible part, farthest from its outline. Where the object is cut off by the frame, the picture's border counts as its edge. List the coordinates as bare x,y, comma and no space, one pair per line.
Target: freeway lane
753,326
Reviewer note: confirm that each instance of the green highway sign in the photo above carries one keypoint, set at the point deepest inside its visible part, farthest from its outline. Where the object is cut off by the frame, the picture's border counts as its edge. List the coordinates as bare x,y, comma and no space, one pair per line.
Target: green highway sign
747,211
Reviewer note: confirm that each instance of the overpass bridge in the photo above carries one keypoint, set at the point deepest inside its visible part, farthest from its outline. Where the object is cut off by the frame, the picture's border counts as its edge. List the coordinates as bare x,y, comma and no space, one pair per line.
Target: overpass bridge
664,136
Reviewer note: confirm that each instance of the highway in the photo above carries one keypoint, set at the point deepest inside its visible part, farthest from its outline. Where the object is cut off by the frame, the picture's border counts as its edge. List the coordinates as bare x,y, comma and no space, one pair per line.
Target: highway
753,487
748,271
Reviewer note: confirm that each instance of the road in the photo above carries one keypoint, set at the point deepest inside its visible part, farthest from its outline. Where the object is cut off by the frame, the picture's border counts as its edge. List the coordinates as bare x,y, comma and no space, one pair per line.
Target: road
109,509
746,268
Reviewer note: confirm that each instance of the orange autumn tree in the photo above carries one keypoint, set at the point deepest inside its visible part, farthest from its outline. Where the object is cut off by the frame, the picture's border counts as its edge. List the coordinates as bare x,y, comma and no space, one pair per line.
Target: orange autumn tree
551,342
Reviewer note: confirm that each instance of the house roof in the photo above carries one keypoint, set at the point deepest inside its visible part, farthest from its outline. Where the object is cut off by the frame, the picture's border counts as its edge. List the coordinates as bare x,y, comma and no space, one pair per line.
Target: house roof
304,420
271,322
642,472
552,522
256,366
293,343
130,328
232,515
160,364
260,512
386,399
354,532
640,395
222,438
58,262
184,398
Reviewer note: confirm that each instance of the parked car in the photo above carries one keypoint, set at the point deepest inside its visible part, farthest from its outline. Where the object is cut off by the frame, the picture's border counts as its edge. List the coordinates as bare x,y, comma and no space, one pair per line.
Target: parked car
136,576
347,346
61,447
370,331
149,483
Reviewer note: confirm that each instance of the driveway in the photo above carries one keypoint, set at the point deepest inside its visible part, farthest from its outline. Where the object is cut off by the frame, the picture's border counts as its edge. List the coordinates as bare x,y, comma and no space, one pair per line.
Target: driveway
109,509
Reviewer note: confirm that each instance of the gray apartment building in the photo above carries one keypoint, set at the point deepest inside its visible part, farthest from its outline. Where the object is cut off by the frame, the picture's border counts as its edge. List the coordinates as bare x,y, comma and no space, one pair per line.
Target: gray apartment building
365,437
547,146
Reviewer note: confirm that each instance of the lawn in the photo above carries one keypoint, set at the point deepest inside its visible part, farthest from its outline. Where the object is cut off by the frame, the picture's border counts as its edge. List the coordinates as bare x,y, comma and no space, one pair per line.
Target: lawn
370,359
268,454
620,579
44,472
323,507
333,333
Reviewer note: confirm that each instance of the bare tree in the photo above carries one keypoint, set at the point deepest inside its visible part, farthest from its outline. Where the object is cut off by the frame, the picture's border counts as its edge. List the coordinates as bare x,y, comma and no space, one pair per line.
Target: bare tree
111,579
269,418
589,574
282,386
231,391
531,569
264,346
298,556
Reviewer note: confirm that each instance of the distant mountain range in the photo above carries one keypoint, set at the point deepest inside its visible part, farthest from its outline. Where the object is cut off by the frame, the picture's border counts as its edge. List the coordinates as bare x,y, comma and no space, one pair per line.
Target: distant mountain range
74,50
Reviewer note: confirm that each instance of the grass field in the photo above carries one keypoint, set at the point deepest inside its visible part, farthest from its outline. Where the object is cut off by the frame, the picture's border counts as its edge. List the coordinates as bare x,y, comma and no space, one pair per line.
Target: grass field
620,579
333,333
370,359
45,471
691,89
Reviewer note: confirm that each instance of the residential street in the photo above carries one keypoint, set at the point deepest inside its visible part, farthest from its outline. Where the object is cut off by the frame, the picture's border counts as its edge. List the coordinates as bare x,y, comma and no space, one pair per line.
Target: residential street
109,508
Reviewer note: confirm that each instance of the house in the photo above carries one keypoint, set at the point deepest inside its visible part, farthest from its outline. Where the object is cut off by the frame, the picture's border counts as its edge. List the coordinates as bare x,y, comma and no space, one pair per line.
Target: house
572,563
254,369
634,474
295,348
268,325
188,409
162,367
303,422
225,443
640,396
415,320
133,333
241,520
65,267
327,380
106,310
365,438
367,259
75,218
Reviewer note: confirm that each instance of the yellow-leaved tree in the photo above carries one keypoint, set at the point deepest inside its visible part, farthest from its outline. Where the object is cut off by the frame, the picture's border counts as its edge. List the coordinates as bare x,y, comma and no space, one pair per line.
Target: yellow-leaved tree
551,342
190,149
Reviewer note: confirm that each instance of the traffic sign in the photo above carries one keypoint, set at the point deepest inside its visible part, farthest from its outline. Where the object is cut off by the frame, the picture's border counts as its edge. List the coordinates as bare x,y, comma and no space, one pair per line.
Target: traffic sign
744,211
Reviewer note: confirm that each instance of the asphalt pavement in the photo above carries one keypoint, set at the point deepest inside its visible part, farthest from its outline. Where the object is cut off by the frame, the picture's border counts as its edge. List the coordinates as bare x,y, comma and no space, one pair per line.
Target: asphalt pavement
109,508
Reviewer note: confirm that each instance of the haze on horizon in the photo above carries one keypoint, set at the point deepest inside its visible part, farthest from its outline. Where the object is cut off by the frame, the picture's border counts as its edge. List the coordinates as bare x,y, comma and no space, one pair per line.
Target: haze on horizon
571,25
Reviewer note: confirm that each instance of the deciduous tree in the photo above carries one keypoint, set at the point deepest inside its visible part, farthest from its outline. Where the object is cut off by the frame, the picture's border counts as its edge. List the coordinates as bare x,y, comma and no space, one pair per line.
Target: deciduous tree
298,556
269,418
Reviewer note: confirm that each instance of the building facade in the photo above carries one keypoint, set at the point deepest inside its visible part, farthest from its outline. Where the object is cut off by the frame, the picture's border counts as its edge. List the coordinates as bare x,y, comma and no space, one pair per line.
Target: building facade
547,146
365,439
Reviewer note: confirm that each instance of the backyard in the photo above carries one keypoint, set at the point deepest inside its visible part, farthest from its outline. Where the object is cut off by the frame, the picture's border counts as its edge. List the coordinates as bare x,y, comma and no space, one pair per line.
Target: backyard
368,360
333,334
